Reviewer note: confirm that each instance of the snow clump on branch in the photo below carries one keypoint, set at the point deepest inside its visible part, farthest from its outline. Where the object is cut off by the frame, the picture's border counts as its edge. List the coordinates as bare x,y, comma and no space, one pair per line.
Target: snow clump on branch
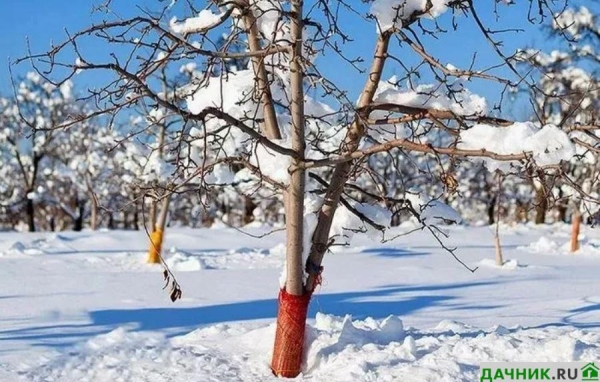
453,97
391,13
548,145
205,20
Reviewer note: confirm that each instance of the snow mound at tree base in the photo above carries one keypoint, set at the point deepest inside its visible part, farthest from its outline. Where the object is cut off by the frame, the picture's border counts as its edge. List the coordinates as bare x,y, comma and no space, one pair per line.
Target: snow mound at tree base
546,246
337,349
511,264
180,261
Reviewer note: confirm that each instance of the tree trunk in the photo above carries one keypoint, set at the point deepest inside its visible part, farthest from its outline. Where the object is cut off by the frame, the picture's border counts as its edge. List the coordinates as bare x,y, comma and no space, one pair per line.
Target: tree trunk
576,227
153,210
490,210
341,173
136,215
125,220
561,207
249,207
111,221
293,299
94,214
541,206
30,207
157,236
78,222
562,213
499,257
30,210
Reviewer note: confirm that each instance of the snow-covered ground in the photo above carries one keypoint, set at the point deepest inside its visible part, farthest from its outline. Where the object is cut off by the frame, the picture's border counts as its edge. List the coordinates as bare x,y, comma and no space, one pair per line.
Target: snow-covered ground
84,306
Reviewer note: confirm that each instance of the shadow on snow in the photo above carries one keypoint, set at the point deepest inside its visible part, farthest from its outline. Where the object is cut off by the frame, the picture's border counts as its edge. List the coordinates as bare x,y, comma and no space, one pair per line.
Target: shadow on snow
378,303
393,252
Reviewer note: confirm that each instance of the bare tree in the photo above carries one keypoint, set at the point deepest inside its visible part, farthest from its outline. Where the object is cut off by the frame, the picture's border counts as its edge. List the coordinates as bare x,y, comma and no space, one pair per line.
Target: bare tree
283,125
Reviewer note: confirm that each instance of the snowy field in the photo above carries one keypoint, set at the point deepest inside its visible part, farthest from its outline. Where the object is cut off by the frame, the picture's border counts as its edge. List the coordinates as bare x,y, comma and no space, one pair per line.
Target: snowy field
84,306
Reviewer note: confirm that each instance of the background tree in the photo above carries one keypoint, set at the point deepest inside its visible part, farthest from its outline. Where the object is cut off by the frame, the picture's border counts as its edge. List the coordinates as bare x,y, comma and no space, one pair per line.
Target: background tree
30,138
567,94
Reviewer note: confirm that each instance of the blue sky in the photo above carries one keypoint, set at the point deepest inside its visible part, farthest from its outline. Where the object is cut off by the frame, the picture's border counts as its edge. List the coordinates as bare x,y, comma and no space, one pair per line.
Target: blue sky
44,21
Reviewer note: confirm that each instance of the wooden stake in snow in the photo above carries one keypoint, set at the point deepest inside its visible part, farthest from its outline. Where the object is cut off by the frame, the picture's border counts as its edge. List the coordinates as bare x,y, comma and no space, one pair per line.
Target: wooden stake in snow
159,223
576,227
157,236
499,258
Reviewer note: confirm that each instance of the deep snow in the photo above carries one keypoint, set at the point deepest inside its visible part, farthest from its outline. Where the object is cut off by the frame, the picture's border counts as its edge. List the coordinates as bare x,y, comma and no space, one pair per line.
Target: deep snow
84,306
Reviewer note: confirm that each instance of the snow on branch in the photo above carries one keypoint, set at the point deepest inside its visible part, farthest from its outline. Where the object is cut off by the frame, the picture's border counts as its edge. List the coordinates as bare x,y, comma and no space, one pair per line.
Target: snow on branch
573,22
205,21
453,97
397,13
432,212
547,145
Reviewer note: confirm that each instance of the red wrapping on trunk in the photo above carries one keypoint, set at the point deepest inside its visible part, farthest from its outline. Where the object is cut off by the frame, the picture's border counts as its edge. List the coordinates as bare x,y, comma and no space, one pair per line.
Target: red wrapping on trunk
289,337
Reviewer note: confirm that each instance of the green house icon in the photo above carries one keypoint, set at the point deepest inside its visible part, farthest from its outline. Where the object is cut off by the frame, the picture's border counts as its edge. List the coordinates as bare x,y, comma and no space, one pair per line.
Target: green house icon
590,372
